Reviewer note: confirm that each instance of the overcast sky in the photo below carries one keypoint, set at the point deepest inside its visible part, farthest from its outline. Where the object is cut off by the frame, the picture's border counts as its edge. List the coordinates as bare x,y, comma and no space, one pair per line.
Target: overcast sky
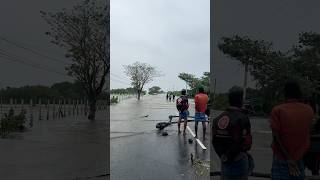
272,20
172,35
21,23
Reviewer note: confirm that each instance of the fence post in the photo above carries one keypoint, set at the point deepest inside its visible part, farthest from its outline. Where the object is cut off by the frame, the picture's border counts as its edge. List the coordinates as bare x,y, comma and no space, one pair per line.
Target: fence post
22,102
11,104
59,108
54,109
15,104
85,107
1,108
69,110
31,113
48,106
73,108
81,107
40,110
64,107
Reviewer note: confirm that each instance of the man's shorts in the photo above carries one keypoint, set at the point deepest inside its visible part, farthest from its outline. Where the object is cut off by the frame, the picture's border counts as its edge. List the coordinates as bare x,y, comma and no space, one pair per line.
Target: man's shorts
200,116
237,169
280,170
184,114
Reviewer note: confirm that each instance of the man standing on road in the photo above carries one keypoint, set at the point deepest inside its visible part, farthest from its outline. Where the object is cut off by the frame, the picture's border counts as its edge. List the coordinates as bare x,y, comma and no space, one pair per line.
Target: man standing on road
231,139
182,106
290,124
201,101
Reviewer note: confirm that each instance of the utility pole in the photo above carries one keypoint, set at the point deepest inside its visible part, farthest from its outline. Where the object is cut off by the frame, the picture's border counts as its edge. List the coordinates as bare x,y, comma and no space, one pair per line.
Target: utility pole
245,82
186,88
214,89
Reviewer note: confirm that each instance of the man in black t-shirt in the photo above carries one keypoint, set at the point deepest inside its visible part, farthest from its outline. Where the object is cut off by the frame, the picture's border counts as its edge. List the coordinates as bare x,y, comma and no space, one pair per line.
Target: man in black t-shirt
182,105
231,139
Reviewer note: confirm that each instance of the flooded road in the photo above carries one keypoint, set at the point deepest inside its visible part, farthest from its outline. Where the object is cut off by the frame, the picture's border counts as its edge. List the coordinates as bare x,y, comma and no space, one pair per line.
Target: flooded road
69,148
138,149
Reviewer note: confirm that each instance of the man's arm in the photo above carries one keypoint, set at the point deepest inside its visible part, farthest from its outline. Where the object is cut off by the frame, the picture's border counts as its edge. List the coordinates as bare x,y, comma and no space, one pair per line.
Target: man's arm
282,149
196,103
188,105
275,127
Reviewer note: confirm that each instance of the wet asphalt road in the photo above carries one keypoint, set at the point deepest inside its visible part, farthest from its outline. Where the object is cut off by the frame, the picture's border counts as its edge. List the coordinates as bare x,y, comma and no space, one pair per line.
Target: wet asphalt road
138,149
261,148
261,151
61,149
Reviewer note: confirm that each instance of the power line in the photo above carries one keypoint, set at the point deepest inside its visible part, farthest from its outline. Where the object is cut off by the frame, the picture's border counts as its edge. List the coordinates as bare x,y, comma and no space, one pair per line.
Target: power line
119,81
124,80
118,76
33,51
13,55
17,60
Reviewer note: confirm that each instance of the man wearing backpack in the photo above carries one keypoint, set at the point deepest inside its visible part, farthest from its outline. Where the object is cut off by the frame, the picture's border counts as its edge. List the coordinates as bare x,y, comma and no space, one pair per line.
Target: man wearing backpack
182,106
231,139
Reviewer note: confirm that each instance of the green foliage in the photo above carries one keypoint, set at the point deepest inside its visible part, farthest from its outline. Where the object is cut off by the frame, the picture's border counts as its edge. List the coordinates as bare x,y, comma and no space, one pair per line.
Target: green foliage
83,32
221,101
123,91
194,83
66,90
114,100
154,90
176,93
140,74
270,68
69,90
12,123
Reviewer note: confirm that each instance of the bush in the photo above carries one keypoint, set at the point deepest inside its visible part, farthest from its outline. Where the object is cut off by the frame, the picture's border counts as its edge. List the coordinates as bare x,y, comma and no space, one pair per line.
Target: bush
221,102
12,123
114,100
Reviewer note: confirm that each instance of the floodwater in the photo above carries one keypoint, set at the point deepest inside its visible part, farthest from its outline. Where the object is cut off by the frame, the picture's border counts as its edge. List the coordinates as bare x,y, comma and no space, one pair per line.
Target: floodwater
139,151
69,148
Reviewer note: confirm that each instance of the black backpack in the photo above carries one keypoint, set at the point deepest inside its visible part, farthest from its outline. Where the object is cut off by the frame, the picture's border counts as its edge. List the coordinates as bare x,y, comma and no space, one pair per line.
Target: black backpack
182,103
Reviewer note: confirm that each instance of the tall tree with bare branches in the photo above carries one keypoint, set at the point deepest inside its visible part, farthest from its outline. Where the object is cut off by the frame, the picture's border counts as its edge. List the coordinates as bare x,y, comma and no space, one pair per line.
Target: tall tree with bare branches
140,74
84,33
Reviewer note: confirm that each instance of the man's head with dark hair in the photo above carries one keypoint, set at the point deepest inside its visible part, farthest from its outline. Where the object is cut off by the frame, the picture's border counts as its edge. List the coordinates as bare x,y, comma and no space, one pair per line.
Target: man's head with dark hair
183,92
236,97
201,90
292,90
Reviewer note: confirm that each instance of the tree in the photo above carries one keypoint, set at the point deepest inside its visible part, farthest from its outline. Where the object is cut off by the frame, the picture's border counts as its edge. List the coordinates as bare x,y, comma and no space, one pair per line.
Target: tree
69,90
191,80
246,51
306,58
123,91
84,33
154,90
140,74
306,62
270,69
194,83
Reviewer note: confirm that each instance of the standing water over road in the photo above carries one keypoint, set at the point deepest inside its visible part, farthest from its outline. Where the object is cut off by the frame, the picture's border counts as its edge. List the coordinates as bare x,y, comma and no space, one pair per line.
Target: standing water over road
138,149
